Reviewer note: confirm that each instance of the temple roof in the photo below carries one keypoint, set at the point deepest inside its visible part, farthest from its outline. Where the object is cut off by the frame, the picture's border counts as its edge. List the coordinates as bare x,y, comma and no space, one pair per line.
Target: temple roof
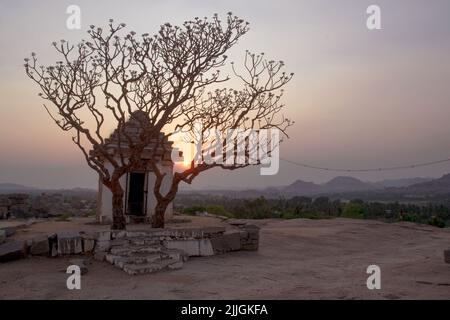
133,128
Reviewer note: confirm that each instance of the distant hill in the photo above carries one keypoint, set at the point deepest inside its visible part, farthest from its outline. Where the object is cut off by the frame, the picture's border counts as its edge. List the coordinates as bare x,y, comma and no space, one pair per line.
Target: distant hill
350,188
8,187
346,184
398,183
335,185
14,187
431,188
302,187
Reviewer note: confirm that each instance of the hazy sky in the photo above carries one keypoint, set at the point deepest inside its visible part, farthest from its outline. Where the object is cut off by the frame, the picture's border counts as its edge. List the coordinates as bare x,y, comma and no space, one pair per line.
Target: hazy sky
360,98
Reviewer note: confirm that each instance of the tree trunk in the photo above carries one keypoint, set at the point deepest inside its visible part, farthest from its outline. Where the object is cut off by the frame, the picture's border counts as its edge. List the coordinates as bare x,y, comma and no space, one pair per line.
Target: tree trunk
158,218
117,208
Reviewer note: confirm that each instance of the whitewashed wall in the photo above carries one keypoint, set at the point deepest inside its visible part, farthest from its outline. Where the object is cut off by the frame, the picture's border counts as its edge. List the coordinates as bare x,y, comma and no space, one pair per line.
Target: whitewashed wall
105,195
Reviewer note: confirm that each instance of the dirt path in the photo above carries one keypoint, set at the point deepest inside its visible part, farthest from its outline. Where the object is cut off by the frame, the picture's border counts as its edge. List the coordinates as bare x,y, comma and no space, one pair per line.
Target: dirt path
298,259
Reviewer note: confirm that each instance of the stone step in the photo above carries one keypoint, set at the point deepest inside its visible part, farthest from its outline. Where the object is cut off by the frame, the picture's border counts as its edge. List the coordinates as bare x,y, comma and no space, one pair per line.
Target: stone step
144,259
136,269
143,241
174,254
135,241
120,242
142,252
130,250
120,261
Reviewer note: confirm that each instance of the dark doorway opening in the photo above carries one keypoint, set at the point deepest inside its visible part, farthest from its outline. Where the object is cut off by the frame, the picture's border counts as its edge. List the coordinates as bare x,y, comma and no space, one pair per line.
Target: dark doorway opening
136,191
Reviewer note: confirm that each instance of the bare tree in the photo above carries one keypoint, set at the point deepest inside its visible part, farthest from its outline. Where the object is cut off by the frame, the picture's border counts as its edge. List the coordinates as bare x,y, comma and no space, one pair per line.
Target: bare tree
161,81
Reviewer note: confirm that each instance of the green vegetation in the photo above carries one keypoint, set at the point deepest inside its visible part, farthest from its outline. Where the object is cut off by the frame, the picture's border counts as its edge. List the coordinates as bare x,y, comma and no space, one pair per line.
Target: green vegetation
218,210
353,210
318,208
63,217
193,210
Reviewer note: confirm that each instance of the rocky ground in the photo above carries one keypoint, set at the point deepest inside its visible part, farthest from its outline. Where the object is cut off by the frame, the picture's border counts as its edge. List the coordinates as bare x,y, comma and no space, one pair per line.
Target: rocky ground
297,259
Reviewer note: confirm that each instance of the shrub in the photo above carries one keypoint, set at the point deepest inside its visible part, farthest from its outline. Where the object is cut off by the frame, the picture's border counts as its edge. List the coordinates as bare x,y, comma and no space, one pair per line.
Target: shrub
63,217
437,222
193,210
353,210
217,210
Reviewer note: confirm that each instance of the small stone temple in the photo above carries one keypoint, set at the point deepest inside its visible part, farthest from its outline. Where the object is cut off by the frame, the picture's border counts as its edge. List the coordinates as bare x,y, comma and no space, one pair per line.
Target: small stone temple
138,183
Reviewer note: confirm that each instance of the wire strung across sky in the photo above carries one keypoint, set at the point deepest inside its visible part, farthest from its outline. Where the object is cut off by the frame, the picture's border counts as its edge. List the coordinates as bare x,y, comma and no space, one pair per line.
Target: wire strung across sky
411,166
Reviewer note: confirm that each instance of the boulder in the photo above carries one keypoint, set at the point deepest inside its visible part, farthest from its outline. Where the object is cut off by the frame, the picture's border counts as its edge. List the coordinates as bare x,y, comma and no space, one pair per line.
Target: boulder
40,246
12,250
249,237
69,243
229,241
9,231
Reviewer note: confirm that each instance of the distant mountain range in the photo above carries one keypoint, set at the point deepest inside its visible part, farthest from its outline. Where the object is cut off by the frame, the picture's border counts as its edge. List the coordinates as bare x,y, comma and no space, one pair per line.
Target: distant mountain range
14,187
342,187
349,187
335,185
19,188
435,187
398,183
343,184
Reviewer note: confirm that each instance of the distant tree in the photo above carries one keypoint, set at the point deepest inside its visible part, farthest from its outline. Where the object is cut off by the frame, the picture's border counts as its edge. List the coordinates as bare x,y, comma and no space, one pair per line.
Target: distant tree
321,204
167,77
353,210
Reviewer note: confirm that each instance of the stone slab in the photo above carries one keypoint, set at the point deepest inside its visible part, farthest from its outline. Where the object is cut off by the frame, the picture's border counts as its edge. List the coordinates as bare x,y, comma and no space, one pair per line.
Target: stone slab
40,246
206,248
69,243
190,247
227,242
12,250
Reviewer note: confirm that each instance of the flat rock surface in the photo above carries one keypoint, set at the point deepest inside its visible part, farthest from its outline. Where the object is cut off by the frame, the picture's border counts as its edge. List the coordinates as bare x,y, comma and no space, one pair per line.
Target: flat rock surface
297,259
